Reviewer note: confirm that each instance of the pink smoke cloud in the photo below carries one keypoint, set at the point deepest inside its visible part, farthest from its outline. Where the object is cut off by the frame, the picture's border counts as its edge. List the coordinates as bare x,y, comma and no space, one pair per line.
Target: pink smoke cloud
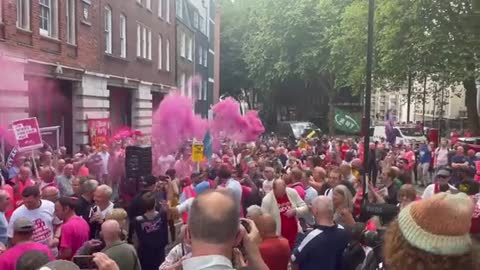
229,123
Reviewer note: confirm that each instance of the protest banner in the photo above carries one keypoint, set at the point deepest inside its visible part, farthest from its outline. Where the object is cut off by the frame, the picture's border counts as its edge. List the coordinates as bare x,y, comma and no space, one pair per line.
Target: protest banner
197,152
98,131
27,133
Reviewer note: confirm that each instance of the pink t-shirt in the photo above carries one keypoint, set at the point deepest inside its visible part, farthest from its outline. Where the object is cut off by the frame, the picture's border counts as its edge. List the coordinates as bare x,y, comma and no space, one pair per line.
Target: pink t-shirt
8,260
75,232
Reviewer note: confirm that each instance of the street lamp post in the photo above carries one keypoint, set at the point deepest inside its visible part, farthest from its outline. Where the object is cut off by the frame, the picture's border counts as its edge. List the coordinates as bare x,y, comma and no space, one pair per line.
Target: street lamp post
368,94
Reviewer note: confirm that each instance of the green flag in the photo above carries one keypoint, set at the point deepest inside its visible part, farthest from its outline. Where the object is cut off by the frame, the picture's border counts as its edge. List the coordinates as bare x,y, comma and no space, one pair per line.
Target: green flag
347,122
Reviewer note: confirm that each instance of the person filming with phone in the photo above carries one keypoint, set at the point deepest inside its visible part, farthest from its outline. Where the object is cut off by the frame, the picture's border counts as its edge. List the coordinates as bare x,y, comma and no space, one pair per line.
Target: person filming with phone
216,234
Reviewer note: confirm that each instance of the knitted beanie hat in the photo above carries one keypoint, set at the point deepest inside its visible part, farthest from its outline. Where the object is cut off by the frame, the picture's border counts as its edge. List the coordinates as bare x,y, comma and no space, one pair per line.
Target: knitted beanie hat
439,225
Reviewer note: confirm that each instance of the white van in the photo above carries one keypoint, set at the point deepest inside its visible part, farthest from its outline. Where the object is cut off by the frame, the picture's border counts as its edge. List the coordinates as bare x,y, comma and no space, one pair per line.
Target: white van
405,135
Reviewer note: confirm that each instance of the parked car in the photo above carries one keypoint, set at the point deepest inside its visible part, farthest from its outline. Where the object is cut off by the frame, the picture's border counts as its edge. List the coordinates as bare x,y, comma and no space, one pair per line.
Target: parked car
297,129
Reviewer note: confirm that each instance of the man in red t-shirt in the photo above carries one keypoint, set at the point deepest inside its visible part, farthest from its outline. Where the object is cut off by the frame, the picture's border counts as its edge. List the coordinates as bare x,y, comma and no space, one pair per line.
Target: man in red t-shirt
275,250
285,205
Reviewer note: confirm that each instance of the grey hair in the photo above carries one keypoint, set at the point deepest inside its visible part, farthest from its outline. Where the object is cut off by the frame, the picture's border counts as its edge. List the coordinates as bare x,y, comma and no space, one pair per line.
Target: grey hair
254,210
106,190
323,203
89,186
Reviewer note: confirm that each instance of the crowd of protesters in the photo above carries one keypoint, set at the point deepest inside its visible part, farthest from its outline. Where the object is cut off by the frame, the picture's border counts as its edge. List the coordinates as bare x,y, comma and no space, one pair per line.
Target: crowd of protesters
269,204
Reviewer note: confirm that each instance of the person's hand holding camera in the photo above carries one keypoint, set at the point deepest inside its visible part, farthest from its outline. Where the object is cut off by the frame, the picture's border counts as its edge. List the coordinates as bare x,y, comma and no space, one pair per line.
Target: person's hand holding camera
250,241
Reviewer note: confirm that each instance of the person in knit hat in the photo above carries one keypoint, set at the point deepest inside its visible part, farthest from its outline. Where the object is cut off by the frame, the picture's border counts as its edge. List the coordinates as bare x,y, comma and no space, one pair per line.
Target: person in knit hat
432,234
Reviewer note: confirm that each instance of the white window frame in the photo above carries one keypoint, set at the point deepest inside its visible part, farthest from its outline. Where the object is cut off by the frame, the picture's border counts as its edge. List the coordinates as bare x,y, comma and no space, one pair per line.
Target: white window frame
149,44
195,19
167,10
71,21
205,90
205,56
200,54
182,84
51,7
160,52
201,22
179,9
23,14
183,45
139,40
167,55
189,49
123,36
160,8
148,4
107,28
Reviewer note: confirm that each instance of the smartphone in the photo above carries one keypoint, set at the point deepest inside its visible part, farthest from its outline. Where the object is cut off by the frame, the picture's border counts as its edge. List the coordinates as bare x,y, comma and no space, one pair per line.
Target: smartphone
245,225
84,261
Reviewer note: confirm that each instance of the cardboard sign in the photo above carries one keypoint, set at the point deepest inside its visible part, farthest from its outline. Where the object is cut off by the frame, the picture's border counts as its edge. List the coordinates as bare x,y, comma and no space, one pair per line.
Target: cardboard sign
98,131
197,152
27,134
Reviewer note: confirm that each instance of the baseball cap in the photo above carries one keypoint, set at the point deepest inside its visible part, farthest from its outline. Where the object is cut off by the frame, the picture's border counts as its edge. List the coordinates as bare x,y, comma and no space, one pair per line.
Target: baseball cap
443,172
23,225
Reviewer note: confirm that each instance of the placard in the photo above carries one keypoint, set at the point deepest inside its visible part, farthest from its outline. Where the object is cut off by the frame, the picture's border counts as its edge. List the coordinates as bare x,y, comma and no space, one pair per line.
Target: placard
98,131
27,134
197,152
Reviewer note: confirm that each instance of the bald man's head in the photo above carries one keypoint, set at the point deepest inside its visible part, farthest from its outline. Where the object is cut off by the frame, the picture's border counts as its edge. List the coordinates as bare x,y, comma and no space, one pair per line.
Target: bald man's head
111,230
266,225
319,174
50,193
214,218
279,188
322,208
356,164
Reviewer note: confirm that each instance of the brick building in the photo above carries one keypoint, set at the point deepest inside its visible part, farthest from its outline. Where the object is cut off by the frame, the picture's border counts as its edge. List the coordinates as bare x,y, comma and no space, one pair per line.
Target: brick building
70,60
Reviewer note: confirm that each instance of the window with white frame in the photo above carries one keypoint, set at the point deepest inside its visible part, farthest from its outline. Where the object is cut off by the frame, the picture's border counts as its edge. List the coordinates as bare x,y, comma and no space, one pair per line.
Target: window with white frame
179,8
201,22
160,8
205,57
181,84
139,40
205,90
167,55
148,4
70,14
167,10
195,19
189,49
23,14
149,44
200,55
144,41
48,18
108,29
123,36
182,44
160,52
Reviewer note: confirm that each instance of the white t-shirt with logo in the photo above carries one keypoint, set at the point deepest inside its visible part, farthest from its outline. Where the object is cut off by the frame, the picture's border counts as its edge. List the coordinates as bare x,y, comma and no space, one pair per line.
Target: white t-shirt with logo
42,219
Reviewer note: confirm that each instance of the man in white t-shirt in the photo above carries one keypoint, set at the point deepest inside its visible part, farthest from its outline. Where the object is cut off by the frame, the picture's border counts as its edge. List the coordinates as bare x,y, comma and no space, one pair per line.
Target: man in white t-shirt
103,206
441,155
40,212
440,184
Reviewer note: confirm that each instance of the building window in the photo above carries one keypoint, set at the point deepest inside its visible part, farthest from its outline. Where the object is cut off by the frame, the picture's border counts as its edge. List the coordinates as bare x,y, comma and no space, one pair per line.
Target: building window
23,14
189,49
48,18
205,90
108,29
179,8
144,41
195,19
167,55
123,36
200,55
160,52
168,10
181,84
182,44
205,57
148,4
139,40
201,23
70,12
160,8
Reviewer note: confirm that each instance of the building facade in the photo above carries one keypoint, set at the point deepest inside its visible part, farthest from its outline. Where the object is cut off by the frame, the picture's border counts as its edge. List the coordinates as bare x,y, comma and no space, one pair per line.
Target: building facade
185,48
68,61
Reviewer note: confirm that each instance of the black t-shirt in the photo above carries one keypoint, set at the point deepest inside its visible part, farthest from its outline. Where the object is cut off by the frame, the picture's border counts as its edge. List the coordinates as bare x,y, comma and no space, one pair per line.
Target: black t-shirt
392,197
83,207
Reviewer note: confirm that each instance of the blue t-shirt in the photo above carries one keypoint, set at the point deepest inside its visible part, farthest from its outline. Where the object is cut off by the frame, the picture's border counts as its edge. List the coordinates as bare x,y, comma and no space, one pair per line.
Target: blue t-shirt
321,248
201,187
424,156
3,228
